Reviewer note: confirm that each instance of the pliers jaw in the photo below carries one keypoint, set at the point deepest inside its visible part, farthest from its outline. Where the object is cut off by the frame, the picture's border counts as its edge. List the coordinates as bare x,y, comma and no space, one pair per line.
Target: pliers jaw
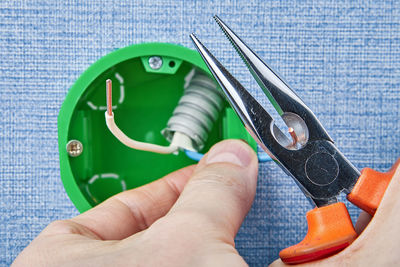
311,158
281,96
254,117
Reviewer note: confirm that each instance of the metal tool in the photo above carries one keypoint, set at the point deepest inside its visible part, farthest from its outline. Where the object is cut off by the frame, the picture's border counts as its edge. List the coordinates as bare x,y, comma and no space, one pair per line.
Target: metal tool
311,158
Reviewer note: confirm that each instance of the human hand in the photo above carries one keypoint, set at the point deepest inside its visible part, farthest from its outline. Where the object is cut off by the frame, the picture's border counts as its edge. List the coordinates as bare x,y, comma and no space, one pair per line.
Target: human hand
379,240
188,218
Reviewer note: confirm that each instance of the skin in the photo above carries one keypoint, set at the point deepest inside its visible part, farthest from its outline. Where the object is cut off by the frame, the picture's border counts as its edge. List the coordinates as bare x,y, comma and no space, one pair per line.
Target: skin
190,218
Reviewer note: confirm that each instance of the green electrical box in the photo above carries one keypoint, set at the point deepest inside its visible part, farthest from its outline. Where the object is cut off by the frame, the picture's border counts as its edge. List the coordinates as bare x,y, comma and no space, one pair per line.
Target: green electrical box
94,164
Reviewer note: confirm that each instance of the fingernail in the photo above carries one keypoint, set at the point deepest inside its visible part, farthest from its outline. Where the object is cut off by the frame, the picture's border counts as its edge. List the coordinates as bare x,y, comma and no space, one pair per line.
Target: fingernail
233,152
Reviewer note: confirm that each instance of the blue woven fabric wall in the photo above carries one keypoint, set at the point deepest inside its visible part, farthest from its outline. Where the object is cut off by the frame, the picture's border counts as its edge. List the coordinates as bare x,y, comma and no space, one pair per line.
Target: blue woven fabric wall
342,57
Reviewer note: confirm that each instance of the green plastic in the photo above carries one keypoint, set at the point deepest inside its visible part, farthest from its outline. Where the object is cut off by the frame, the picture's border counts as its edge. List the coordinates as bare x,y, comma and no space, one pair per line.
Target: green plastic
144,100
170,65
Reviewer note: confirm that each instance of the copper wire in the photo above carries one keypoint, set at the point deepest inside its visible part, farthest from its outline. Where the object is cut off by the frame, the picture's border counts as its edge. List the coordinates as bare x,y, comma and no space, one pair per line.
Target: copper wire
293,135
109,96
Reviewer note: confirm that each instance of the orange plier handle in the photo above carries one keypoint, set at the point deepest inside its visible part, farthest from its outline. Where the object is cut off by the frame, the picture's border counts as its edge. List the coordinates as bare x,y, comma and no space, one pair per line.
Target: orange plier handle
330,229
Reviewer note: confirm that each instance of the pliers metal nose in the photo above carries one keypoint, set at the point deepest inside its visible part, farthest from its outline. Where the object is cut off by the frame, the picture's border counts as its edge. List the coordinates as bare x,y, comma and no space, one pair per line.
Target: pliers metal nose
310,156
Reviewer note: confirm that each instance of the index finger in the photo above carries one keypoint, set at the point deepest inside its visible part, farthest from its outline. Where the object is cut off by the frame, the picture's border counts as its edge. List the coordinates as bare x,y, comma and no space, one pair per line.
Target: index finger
134,210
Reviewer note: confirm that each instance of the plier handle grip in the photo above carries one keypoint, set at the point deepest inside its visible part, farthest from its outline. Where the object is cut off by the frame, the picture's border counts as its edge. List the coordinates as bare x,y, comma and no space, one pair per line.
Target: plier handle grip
310,156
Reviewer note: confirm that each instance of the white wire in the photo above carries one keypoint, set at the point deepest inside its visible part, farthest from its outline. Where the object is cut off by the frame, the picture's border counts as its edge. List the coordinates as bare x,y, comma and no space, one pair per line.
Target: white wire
133,143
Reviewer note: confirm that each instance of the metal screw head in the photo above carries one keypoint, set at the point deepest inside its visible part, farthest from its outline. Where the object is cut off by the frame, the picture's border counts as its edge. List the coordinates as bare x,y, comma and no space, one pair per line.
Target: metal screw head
155,62
74,148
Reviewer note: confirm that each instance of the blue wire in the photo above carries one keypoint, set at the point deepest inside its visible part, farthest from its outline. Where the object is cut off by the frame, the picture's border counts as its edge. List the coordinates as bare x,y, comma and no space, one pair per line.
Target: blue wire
196,156
263,157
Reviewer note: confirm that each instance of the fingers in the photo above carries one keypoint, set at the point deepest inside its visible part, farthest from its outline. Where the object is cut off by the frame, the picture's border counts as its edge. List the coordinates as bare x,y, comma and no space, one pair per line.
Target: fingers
221,190
378,242
362,222
132,211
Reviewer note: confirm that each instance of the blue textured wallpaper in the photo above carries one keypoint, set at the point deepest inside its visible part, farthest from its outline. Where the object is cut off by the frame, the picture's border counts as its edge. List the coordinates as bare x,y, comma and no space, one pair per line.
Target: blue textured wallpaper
342,57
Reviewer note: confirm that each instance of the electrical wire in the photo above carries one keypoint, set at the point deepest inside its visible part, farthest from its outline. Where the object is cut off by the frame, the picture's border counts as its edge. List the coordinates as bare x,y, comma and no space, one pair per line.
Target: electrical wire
196,156
264,157
112,126
125,139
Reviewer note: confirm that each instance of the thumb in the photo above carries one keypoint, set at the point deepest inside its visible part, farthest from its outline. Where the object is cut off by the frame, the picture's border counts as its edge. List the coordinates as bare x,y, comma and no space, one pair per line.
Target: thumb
221,190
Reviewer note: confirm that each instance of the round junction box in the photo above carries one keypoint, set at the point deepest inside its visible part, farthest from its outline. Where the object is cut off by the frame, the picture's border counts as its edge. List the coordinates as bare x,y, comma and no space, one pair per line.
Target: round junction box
148,81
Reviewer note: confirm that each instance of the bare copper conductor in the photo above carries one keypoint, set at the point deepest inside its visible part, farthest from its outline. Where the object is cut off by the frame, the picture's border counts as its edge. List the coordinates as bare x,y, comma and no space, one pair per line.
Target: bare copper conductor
109,96
293,135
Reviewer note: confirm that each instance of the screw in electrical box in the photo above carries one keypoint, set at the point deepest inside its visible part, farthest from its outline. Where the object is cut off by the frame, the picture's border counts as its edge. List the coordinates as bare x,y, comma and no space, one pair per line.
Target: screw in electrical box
155,62
74,148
